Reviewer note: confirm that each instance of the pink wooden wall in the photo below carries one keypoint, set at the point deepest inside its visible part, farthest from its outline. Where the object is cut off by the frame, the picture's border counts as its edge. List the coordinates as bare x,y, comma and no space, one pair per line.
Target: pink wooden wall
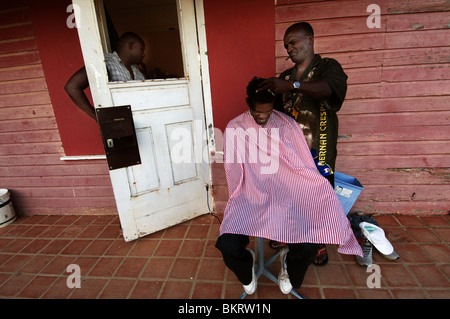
395,121
30,142
38,53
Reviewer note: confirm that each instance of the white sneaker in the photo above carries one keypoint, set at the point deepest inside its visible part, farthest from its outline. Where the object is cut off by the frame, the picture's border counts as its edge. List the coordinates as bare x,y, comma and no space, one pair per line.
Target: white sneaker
283,278
251,287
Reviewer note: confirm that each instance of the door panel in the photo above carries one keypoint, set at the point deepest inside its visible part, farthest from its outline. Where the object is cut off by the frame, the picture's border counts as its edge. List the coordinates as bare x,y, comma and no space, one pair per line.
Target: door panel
153,96
144,178
181,146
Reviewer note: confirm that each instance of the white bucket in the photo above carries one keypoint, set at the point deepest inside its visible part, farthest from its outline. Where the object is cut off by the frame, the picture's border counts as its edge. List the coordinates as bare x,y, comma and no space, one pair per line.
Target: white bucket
7,214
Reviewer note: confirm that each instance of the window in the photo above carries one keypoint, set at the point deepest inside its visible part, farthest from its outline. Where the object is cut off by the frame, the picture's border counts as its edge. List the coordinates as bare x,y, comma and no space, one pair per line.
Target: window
156,22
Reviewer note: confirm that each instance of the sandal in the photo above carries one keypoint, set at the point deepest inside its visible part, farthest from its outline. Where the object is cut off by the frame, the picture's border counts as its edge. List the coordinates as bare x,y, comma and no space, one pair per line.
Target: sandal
276,245
321,256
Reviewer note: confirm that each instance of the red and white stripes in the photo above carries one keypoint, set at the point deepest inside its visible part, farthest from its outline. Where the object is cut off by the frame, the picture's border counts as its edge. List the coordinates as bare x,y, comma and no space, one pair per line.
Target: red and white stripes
278,193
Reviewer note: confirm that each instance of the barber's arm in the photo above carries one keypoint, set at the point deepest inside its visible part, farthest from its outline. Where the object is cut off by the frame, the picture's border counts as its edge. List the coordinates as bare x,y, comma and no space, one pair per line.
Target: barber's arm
315,89
75,87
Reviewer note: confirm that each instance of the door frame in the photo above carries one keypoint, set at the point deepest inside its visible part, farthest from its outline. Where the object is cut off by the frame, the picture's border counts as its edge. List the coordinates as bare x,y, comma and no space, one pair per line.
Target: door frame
90,29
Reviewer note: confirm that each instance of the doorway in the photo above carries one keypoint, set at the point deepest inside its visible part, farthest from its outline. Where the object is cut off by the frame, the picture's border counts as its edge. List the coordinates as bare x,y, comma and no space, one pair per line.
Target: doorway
171,108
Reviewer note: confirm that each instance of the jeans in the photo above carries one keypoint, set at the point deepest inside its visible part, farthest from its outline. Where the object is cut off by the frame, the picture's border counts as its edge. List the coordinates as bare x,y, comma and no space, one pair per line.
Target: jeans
240,262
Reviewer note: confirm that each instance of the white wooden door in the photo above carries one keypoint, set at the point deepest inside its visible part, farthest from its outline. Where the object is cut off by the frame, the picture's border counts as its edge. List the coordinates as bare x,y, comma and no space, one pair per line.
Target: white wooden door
170,186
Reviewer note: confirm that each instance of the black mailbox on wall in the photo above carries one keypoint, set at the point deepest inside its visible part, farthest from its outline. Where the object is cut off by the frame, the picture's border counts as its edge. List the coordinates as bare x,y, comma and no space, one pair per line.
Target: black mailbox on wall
119,136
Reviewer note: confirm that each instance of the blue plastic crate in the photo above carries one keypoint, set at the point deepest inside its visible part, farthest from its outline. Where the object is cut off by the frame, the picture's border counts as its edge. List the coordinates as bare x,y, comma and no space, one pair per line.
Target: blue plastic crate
348,189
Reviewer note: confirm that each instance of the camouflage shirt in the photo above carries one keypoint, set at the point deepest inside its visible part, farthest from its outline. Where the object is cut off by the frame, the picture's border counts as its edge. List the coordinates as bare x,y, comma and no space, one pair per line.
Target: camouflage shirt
331,71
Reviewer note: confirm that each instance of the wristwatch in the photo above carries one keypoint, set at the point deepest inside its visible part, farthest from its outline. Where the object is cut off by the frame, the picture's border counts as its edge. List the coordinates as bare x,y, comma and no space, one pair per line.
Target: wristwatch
296,85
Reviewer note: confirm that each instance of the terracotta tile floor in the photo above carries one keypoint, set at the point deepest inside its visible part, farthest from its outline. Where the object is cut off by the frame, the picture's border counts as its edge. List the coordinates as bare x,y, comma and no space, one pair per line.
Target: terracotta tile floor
181,262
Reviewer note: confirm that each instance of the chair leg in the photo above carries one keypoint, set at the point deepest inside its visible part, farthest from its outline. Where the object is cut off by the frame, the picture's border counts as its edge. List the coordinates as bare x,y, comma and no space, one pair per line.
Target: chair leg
262,267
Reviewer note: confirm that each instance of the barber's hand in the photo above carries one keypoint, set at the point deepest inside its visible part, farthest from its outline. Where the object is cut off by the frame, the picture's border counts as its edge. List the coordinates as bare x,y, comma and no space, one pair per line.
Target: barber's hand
276,86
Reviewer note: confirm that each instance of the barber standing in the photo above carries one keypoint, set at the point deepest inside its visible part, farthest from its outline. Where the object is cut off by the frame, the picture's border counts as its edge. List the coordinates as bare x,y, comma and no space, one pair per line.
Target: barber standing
314,84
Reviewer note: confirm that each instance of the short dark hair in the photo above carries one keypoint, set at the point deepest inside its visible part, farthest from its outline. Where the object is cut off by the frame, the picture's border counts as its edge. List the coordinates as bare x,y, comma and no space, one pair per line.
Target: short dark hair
301,26
261,97
128,37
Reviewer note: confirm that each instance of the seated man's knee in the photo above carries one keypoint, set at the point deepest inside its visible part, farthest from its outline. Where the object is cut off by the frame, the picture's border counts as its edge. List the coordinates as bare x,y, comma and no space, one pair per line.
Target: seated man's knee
231,245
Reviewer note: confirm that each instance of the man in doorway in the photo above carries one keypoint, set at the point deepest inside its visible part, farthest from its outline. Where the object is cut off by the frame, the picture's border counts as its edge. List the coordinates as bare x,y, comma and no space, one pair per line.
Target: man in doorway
121,66
314,84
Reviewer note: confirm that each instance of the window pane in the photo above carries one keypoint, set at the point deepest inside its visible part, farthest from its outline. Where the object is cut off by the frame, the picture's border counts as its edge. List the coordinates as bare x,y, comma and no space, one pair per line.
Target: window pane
156,22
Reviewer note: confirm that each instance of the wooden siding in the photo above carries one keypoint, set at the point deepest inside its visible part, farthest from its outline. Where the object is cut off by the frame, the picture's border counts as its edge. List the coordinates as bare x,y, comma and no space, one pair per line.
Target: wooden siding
30,143
395,122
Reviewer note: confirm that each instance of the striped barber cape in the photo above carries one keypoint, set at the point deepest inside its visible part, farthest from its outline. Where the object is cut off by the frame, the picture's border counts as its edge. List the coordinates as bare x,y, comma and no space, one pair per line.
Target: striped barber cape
275,190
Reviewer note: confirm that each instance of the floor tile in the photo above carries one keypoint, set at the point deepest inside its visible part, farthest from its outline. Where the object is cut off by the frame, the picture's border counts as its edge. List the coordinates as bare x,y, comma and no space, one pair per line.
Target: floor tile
203,290
143,248
90,288
13,264
443,233
146,290
55,246
438,293
35,246
85,264
72,231
184,268
119,248
182,262
53,232
339,293
177,231
397,276
91,231
76,247
58,290
36,264
409,220
98,247
435,221
131,267
15,245
412,253
409,294
36,231
234,291
157,268
332,275
15,284
198,232
109,232
117,289
211,269
168,248
37,287
192,248
106,267
439,253
423,235
58,265
430,277
176,290
373,293
270,291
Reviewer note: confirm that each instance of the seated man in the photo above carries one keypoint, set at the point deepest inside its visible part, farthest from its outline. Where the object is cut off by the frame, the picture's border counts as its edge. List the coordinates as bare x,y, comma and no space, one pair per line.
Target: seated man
288,201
